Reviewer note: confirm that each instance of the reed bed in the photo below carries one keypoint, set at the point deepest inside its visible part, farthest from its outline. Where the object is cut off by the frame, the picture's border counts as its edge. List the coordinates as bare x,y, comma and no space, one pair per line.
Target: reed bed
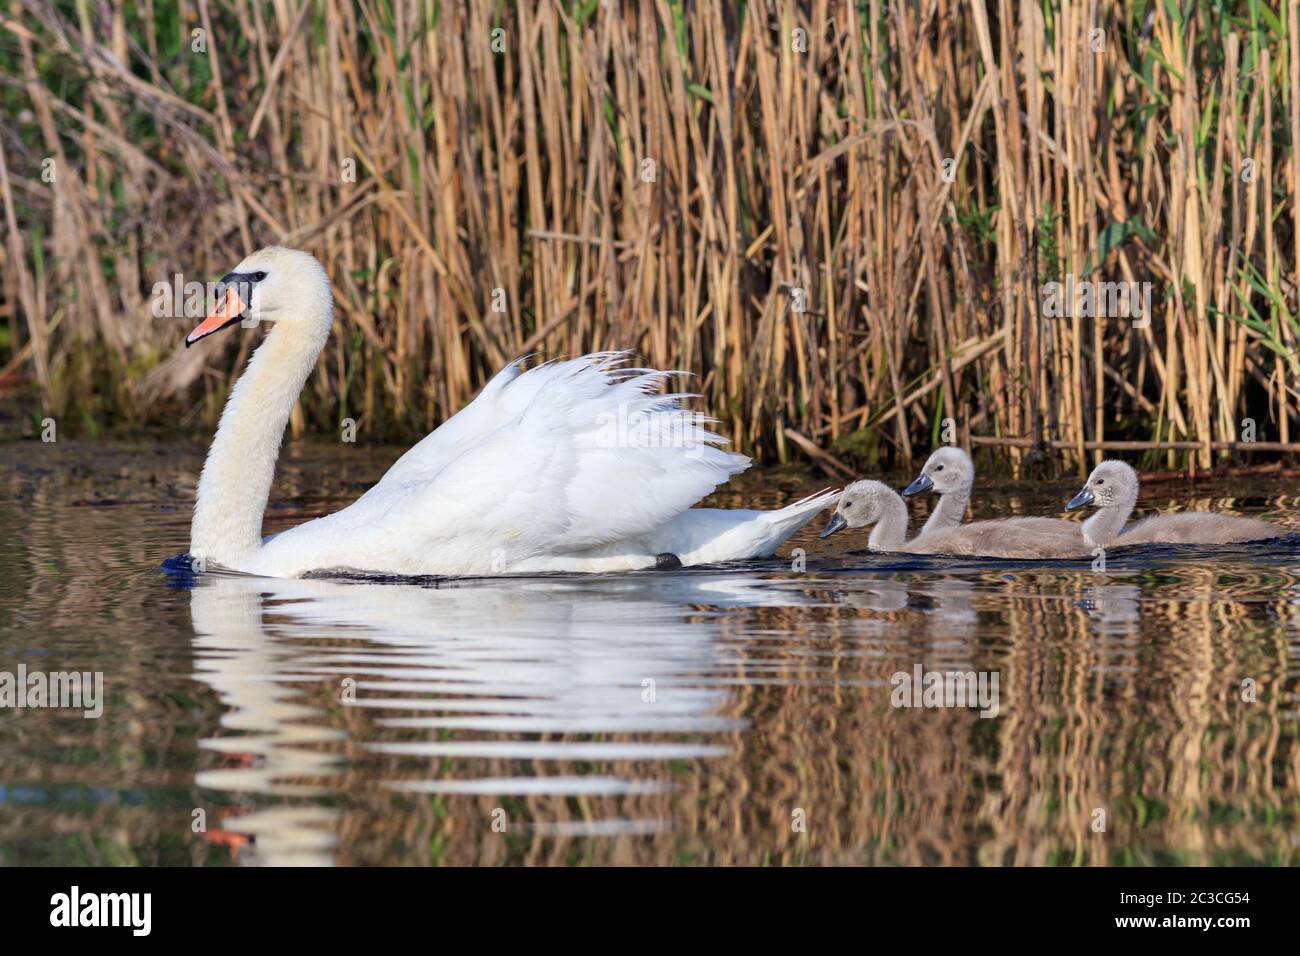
841,216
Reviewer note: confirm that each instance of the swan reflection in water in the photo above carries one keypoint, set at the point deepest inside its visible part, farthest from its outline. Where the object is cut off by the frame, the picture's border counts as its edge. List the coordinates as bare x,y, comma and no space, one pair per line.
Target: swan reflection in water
512,660
591,706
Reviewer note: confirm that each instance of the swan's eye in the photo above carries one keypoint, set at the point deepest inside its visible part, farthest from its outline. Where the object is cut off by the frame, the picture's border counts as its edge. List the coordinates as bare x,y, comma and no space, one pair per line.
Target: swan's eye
1101,481
938,467
258,276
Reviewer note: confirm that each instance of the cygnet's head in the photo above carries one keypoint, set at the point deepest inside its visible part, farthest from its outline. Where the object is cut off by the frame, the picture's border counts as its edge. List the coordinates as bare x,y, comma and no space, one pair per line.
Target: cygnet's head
1111,484
948,469
861,505
275,284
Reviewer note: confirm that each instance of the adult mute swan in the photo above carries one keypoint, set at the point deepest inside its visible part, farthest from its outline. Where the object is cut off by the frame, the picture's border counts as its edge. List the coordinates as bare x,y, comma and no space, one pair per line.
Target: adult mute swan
1113,489
569,466
950,472
874,504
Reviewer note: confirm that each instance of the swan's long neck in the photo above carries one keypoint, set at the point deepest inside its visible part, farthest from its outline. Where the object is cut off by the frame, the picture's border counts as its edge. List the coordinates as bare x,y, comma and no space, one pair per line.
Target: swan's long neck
1101,530
236,480
950,511
890,532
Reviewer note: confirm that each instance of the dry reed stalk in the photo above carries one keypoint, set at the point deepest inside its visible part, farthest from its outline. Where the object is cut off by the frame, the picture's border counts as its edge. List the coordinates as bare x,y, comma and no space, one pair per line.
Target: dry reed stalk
815,207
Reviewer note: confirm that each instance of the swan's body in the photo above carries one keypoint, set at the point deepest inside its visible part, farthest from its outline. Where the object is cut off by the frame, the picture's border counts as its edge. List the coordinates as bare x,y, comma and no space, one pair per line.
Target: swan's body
951,473
570,466
874,504
1113,489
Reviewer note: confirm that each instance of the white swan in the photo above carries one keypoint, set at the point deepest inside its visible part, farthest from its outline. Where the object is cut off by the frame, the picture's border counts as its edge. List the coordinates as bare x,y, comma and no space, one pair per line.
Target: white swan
874,504
950,472
570,466
1113,489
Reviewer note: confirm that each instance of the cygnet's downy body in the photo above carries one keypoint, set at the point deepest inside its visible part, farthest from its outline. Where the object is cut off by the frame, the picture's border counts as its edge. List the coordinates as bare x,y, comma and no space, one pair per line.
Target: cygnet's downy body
875,505
1112,489
950,473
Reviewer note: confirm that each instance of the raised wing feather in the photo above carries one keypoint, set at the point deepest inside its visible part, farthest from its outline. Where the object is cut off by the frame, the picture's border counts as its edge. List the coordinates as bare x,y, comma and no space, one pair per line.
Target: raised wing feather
490,409
595,456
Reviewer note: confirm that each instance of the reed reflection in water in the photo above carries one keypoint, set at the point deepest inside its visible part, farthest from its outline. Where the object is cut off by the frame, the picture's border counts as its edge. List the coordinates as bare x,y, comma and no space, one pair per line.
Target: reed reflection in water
734,715
748,718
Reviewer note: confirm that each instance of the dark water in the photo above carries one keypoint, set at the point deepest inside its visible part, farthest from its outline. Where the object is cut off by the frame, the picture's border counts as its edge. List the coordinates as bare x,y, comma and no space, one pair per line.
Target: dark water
732,715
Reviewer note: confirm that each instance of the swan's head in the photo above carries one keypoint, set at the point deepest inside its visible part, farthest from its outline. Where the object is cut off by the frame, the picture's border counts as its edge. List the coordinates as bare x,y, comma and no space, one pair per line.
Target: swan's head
274,284
1112,483
861,504
948,469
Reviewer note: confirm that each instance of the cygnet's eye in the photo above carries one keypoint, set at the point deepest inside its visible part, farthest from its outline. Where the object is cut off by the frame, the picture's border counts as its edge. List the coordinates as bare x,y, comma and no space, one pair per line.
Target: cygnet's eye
938,467
1101,481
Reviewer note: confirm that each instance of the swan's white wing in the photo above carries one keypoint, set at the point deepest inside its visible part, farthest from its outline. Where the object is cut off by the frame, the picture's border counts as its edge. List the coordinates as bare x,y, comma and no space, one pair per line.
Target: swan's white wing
595,455
489,410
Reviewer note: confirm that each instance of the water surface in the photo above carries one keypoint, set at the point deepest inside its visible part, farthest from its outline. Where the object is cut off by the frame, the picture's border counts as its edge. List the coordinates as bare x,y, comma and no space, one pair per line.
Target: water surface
732,715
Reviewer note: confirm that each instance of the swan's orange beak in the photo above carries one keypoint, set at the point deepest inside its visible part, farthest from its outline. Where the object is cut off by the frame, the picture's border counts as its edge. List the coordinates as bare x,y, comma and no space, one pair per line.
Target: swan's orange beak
228,311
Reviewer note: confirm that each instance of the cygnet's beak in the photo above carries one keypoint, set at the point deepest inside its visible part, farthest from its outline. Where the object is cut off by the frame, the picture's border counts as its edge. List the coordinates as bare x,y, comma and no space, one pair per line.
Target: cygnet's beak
1084,498
920,484
837,523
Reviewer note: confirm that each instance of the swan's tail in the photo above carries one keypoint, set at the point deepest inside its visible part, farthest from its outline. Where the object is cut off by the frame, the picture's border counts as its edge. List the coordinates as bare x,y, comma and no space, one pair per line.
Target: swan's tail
791,518
713,535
